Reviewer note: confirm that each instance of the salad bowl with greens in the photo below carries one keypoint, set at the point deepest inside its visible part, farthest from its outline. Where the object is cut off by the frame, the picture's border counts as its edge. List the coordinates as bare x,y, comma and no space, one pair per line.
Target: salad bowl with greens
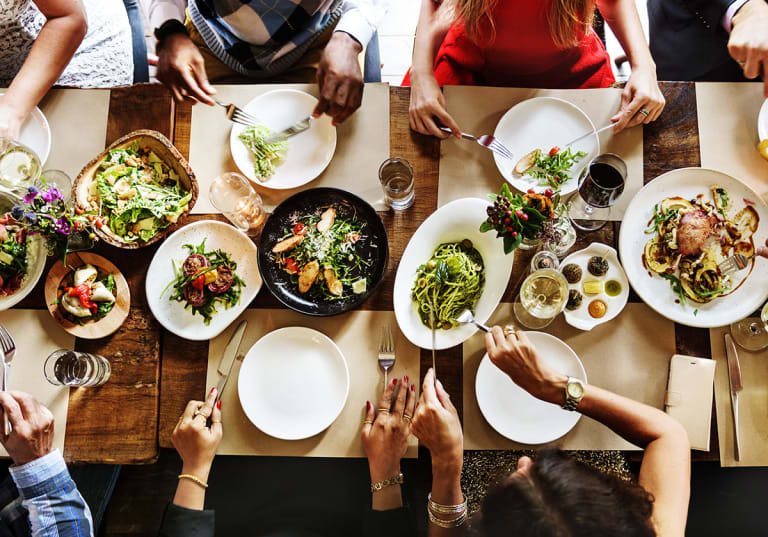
137,191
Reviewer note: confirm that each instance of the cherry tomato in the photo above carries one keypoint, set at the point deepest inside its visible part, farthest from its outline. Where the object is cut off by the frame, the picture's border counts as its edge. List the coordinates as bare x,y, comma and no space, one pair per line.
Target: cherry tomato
199,282
99,223
554,151
79,210
558,179
531,191
291,266
299,229
549,193
90,217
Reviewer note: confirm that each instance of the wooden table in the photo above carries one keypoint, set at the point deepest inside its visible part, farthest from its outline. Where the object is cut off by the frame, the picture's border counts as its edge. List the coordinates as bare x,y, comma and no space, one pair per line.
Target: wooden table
155,373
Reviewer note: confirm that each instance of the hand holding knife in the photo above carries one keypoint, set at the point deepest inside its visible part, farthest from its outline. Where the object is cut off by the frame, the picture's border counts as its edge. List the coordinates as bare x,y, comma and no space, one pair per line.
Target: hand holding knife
228,358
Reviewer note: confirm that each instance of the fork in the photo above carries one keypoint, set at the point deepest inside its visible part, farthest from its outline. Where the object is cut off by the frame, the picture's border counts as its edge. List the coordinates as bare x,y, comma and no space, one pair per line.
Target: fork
733,264
487,141
386,352
9,350
237,115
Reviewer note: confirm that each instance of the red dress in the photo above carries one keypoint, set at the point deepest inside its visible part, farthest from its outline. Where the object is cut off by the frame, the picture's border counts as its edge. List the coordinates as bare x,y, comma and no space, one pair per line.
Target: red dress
523,53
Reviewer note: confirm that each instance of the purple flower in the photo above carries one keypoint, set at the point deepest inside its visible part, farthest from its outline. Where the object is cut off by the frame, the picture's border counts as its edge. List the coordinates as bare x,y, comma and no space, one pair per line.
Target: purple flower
51,195
62,226
32,190
29,199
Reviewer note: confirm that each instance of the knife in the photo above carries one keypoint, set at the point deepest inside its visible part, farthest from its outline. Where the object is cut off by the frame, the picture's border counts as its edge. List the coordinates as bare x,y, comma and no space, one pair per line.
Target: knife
734,379
228,358
293,130
587,135
6,421
432,324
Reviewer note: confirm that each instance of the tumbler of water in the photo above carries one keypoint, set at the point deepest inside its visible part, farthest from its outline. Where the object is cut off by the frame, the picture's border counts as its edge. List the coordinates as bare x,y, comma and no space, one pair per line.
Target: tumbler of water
79,369
396,176
233,195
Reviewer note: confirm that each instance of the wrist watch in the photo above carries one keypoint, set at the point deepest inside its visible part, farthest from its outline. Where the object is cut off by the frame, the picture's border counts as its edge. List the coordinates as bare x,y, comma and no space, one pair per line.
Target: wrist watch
169,27
574,392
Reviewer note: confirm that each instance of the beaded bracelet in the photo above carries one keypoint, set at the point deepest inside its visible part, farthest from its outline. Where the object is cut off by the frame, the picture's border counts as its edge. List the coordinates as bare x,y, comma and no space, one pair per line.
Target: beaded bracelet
194,479
396,480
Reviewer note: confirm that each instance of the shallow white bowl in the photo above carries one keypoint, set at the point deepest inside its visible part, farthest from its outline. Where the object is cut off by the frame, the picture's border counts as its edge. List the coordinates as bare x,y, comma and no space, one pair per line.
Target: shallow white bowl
170,313
38,251
516,414
309,152
293,383
656,291
541,123
453,222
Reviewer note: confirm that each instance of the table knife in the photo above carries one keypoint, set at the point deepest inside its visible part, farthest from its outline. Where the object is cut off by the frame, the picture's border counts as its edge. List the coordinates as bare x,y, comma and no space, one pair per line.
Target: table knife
228,358
432,324
293,130
6,421
734,379
587,135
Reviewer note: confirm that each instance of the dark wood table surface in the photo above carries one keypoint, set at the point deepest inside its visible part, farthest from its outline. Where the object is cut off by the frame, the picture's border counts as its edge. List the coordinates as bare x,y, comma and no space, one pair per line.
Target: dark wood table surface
155,373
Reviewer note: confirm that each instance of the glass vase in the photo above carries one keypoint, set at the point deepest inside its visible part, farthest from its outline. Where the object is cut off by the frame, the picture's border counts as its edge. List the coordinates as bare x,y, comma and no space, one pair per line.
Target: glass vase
567,237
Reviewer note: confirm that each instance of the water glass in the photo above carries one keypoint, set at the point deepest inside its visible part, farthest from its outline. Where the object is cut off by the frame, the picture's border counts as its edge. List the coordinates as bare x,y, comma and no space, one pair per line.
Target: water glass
56,179
599,189
234,196
752,332
396,176
79,369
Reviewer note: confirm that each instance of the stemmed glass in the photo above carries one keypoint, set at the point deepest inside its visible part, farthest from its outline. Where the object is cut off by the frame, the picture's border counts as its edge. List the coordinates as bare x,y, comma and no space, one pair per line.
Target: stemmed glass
599,189
233,195
752,332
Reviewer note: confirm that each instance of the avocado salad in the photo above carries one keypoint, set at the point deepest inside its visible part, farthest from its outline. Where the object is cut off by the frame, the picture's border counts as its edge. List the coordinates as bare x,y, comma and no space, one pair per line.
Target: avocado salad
140,194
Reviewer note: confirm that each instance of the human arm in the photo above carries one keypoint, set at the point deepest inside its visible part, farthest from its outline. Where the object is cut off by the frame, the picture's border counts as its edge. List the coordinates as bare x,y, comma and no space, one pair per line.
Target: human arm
159,11
437,426
47,492
196,444
665,470
54,47
748,43
641,92
427,101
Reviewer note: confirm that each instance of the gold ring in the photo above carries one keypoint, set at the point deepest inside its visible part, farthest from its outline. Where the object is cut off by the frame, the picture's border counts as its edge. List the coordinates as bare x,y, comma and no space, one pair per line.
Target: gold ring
407,417
645,112
386,410
215,421
199,412
509,330
369,422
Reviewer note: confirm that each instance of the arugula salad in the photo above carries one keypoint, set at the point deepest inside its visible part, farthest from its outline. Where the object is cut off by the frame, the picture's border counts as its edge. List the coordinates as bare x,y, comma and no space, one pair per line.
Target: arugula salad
549,169
266,156
204,280
14,257
138,193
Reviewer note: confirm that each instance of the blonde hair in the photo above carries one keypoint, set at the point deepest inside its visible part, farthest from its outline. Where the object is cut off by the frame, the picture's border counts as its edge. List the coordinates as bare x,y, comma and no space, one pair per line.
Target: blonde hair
569,20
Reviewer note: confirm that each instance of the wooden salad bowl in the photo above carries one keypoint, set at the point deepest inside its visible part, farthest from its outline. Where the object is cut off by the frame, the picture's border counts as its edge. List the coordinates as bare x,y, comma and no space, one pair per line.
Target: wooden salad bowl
166,151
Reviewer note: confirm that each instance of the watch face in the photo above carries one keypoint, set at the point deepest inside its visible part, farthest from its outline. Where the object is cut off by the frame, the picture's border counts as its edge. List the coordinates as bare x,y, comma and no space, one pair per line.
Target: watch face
575,390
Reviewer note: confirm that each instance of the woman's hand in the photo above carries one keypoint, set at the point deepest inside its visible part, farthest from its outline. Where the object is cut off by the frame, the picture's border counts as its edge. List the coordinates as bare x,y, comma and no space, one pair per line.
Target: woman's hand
10,120
427,103
641,94
194,440
517,357
386,432
437,426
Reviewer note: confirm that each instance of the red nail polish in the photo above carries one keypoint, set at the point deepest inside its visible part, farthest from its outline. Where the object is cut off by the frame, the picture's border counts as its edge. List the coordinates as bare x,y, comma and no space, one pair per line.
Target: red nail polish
405,379
218,404
368,405
394,382
212,390
413,388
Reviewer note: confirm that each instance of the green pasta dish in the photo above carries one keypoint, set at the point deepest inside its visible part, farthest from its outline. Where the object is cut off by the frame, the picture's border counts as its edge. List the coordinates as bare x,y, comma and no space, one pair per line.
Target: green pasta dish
449,283
266,156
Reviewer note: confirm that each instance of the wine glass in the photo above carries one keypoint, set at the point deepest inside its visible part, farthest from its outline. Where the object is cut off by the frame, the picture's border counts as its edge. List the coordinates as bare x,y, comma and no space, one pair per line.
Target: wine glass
752,332
542,297
599,189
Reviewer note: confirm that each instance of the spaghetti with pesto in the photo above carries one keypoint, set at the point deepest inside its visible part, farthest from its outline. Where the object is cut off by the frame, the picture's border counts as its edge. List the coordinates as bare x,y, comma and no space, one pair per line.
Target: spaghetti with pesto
449,283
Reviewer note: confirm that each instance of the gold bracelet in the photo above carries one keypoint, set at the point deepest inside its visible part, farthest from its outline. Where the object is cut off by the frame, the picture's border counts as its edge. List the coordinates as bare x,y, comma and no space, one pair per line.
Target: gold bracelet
446,509
194,479
396,480
455,523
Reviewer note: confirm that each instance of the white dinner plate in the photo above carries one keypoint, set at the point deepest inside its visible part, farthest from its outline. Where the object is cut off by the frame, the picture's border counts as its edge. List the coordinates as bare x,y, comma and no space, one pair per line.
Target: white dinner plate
293,383
171,313
542,123
36,134
656,291
37,255
309,152
516,414
762,122
453,222
580,318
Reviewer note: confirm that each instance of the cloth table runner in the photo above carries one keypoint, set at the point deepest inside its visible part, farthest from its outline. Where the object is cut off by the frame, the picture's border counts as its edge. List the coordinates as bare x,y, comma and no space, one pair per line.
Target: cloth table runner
357,334
468,170
37,335
628,355
362,144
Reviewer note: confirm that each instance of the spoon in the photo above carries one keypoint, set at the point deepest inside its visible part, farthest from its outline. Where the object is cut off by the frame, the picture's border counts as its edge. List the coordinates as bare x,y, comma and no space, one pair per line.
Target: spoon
466,317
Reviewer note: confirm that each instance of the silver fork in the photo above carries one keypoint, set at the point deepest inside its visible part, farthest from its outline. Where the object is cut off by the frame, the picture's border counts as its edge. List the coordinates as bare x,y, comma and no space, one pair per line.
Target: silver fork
386,352
9,350
733,264
487,141
237,115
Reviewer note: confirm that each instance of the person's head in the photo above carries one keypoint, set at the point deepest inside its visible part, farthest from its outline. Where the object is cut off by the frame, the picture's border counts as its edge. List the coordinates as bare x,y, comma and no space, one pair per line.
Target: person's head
557,496
569,20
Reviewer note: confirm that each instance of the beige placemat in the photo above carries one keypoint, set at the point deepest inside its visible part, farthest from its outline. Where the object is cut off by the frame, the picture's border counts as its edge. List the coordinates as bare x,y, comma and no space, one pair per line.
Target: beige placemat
728,131
78,121
753,404
37,335
357,335
362,144
628,355
468,170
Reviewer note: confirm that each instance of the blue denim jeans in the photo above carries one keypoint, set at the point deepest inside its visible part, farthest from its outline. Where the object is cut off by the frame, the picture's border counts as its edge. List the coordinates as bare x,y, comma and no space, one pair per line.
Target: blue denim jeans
140,65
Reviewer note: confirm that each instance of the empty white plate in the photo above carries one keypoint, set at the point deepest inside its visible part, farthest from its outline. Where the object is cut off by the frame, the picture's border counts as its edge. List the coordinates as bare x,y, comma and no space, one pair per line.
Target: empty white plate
542,123
309,152
516,414
293,383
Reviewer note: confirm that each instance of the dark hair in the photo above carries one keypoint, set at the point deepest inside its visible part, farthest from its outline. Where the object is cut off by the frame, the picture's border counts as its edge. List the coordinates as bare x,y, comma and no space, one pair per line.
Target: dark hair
563,497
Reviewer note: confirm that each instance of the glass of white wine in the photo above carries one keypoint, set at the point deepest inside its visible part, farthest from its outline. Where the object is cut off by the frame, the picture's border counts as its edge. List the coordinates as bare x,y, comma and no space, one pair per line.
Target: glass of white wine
233,195
752,332
542,297
19,166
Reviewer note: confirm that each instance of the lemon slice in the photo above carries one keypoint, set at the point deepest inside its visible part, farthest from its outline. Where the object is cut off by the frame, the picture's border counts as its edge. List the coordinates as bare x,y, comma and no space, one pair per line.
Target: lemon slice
763,148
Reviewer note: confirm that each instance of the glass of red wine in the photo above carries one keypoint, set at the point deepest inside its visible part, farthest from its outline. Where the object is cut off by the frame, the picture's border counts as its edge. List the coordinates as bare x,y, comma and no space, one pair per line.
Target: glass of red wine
601,185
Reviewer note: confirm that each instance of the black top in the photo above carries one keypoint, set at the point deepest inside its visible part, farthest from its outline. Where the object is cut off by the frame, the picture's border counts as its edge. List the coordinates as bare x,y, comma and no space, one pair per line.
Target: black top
688,41
182,522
